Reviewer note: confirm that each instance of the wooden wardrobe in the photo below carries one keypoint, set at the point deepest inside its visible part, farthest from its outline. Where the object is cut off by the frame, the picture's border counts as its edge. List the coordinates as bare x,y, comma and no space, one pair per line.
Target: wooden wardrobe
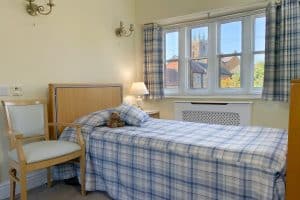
293,157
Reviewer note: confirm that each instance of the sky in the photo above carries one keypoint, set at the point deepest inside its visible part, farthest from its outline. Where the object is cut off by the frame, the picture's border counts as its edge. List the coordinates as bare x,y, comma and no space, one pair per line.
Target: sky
230,38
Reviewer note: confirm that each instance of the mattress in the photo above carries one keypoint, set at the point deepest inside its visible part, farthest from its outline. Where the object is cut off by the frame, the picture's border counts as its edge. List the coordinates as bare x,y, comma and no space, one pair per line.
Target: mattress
166,159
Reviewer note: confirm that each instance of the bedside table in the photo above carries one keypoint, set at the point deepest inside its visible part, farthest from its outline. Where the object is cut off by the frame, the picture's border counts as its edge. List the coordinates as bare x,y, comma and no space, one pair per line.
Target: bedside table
153,113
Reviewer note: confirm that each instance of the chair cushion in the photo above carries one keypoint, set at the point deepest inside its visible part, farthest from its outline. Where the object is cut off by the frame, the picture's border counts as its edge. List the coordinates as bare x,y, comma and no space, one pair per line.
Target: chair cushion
28,119
44,150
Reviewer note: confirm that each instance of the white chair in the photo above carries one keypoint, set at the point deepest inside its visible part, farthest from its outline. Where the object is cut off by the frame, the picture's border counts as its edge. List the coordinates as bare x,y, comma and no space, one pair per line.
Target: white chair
30,147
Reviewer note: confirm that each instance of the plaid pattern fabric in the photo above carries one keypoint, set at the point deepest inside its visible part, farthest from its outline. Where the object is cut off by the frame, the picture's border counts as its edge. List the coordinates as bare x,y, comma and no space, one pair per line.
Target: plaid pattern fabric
132,115
88,122
282,49
94,119
183,160
153,60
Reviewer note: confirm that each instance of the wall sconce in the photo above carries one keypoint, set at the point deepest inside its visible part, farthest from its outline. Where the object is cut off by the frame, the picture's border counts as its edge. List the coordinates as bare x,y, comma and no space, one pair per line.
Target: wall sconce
34,9
122,32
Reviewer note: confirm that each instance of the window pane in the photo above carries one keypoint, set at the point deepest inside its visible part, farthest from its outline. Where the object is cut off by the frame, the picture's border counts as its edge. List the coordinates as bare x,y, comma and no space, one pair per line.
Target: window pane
171,74
229,72
259,70
199,43
260,33
231,37
198,74
172,45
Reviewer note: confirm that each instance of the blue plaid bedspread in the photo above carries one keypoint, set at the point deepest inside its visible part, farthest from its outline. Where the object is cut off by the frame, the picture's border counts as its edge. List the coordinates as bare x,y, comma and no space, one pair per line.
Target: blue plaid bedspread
167,159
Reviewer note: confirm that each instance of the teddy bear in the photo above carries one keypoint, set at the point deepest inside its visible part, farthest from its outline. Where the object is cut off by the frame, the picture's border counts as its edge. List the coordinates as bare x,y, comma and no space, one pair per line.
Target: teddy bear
115,120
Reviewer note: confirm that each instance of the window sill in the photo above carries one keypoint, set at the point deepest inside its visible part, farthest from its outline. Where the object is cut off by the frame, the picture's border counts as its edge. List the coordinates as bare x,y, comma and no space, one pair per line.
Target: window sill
254,97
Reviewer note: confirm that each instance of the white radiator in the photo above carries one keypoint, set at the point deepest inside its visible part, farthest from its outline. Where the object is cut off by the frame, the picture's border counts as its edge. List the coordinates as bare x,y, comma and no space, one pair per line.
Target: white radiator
216,112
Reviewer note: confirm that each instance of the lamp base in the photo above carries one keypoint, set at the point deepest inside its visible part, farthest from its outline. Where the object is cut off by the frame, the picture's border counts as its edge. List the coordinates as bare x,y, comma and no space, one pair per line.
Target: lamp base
139,102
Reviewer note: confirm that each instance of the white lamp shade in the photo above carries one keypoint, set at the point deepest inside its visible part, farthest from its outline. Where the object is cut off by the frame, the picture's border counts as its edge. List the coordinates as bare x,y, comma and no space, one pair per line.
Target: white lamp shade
138,89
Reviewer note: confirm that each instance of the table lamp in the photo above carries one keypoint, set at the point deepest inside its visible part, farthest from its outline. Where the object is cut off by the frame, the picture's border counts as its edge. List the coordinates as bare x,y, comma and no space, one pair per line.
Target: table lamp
139,89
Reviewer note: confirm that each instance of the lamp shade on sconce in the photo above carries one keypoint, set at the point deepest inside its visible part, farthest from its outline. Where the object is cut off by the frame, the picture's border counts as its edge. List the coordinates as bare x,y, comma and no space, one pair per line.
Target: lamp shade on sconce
34,9
122,31
138,89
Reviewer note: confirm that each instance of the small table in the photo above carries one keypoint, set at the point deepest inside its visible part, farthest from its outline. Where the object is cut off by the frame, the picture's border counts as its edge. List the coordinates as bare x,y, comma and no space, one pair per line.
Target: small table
153,113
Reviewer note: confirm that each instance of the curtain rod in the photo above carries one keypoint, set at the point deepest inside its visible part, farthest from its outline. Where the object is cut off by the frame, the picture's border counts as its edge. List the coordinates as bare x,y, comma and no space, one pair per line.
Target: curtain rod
212,15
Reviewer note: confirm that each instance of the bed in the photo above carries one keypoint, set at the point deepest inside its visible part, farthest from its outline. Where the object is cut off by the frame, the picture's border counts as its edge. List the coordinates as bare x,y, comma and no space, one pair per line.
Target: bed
165,159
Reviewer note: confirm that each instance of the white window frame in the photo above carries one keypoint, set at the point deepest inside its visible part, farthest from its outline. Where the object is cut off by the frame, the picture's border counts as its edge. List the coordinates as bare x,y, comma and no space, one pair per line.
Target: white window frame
252,88
217,88
171,91
247,58
187,89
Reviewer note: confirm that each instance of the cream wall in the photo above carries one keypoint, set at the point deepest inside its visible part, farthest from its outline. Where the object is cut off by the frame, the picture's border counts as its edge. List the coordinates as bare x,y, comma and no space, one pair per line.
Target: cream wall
149,11
76,43
264,113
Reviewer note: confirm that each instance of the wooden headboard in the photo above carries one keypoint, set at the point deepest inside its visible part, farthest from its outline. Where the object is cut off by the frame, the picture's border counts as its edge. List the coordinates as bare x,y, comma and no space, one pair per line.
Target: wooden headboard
67,102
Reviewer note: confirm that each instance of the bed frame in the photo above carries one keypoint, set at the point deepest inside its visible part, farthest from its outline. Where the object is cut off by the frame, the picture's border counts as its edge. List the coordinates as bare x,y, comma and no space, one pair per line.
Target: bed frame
70,101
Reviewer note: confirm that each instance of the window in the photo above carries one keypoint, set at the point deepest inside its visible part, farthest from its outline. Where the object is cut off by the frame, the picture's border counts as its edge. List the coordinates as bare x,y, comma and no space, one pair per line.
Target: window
218,57
171,70
198,65
259,52
230,54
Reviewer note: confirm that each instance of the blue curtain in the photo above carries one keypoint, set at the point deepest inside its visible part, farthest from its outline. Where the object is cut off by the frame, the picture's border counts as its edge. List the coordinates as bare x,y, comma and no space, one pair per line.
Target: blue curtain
282,49
153,60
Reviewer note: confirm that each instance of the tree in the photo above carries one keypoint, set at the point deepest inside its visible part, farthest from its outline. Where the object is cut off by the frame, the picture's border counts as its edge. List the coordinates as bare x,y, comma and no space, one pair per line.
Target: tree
259,72
235,80
231,82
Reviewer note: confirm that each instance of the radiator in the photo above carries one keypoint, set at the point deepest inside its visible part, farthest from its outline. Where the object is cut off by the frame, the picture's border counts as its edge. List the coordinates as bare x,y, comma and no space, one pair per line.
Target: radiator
217,112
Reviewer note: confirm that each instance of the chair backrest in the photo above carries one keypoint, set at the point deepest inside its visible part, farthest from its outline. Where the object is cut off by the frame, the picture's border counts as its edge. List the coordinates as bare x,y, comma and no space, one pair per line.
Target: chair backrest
26,117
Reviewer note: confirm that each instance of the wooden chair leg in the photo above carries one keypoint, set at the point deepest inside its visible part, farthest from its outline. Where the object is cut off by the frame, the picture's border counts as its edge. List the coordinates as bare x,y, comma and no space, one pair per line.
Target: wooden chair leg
82,175
49,177
23,184
12,172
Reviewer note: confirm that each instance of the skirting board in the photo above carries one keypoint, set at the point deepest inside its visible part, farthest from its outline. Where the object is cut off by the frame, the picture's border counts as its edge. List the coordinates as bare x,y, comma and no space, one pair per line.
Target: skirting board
34,179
